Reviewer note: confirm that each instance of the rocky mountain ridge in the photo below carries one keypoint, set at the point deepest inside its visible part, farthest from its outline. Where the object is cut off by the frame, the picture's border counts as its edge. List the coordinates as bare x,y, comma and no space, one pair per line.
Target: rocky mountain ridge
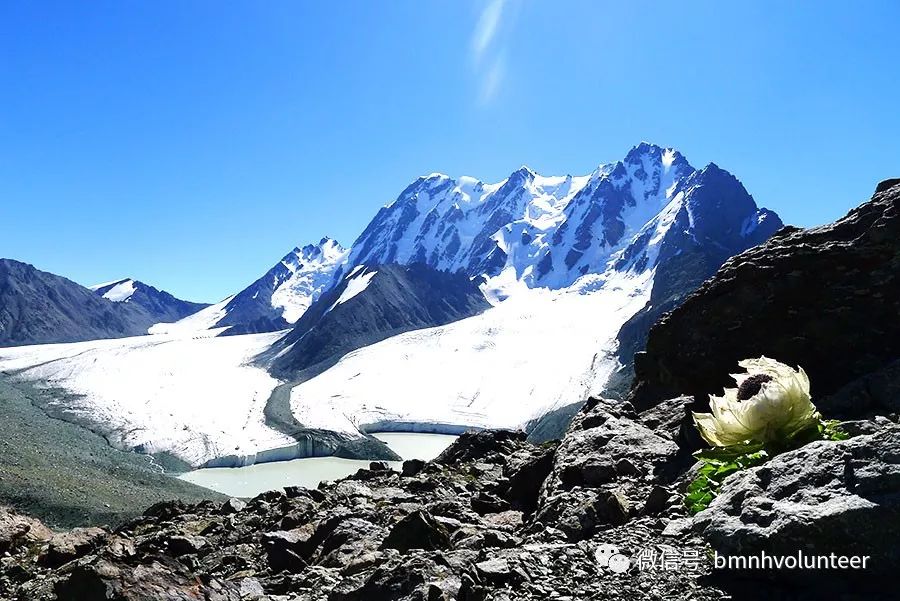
159,305
38,307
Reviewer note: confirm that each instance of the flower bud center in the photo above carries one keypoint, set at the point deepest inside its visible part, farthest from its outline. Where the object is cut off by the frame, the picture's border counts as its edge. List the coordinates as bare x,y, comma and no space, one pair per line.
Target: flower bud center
751,386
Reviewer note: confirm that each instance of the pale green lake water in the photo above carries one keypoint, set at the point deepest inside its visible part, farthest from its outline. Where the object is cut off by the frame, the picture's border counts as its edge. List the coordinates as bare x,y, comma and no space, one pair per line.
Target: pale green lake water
251,480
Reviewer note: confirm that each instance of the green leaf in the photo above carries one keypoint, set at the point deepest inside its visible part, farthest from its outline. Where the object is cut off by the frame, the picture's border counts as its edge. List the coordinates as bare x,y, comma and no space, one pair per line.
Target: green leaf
715,468
728,454
831,430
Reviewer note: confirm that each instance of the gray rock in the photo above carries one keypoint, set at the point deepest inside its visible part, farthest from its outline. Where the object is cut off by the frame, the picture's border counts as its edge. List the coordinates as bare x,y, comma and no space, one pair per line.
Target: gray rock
185,545
66,546
17,530
601,446
285,549
232,506
158,580
580,512
411,467
418,530
826,497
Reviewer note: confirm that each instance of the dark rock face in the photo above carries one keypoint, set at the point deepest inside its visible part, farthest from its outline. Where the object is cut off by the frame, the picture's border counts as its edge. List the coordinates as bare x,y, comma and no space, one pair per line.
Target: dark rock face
37,307
418,530
826,298
396,299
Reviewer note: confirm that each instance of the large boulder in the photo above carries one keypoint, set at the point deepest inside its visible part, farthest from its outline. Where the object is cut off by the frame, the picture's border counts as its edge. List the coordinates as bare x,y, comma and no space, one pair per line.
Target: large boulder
826,497
162,579
418,530
825,298
66,546
605,443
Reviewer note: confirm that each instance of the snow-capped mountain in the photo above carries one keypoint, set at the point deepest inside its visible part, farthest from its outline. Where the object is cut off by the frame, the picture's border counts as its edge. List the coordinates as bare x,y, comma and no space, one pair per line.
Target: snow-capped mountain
577,268
39,307
576,258
527,229
160,306
277,299
715,219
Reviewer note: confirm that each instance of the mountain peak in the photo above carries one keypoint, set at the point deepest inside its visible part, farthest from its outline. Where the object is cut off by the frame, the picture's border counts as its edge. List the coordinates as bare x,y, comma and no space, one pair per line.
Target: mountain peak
325,246
523,173
109,284
668,156
118,291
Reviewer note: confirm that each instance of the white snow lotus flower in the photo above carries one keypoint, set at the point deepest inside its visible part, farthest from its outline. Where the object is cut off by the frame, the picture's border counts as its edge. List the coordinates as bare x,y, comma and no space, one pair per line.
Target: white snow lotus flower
770,404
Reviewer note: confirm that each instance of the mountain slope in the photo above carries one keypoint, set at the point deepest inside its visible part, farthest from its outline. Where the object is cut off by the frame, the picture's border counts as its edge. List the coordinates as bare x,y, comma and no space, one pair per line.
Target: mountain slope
277,299
371,304
40,307
160,306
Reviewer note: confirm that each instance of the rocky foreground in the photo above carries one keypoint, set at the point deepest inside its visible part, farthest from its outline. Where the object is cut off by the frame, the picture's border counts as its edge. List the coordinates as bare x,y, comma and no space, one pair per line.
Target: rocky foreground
597,515
493,518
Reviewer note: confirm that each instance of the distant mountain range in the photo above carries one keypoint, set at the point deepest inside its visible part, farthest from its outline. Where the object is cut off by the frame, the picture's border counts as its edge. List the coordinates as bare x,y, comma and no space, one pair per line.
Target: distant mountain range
160,306
39,307
462,303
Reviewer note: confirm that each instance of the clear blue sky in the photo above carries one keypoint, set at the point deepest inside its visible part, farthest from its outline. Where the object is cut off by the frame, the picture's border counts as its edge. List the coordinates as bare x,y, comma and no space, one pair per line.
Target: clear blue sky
192,144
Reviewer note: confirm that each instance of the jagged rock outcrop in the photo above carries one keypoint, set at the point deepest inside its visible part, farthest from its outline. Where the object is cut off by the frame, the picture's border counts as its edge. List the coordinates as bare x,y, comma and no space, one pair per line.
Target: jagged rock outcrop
825,298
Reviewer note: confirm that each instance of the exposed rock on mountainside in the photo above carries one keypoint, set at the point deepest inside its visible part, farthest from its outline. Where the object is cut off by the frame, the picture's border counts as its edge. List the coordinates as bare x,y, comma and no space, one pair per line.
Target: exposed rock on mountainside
719,221
285,292
371,304
38,307
160,306
826,298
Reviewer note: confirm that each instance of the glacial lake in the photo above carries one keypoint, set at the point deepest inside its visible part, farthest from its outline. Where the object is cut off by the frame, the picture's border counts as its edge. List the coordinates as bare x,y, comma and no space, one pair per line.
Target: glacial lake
251,480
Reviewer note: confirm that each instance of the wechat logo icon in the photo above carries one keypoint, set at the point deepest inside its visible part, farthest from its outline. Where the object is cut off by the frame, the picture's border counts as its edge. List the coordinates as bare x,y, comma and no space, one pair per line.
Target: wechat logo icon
608,557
